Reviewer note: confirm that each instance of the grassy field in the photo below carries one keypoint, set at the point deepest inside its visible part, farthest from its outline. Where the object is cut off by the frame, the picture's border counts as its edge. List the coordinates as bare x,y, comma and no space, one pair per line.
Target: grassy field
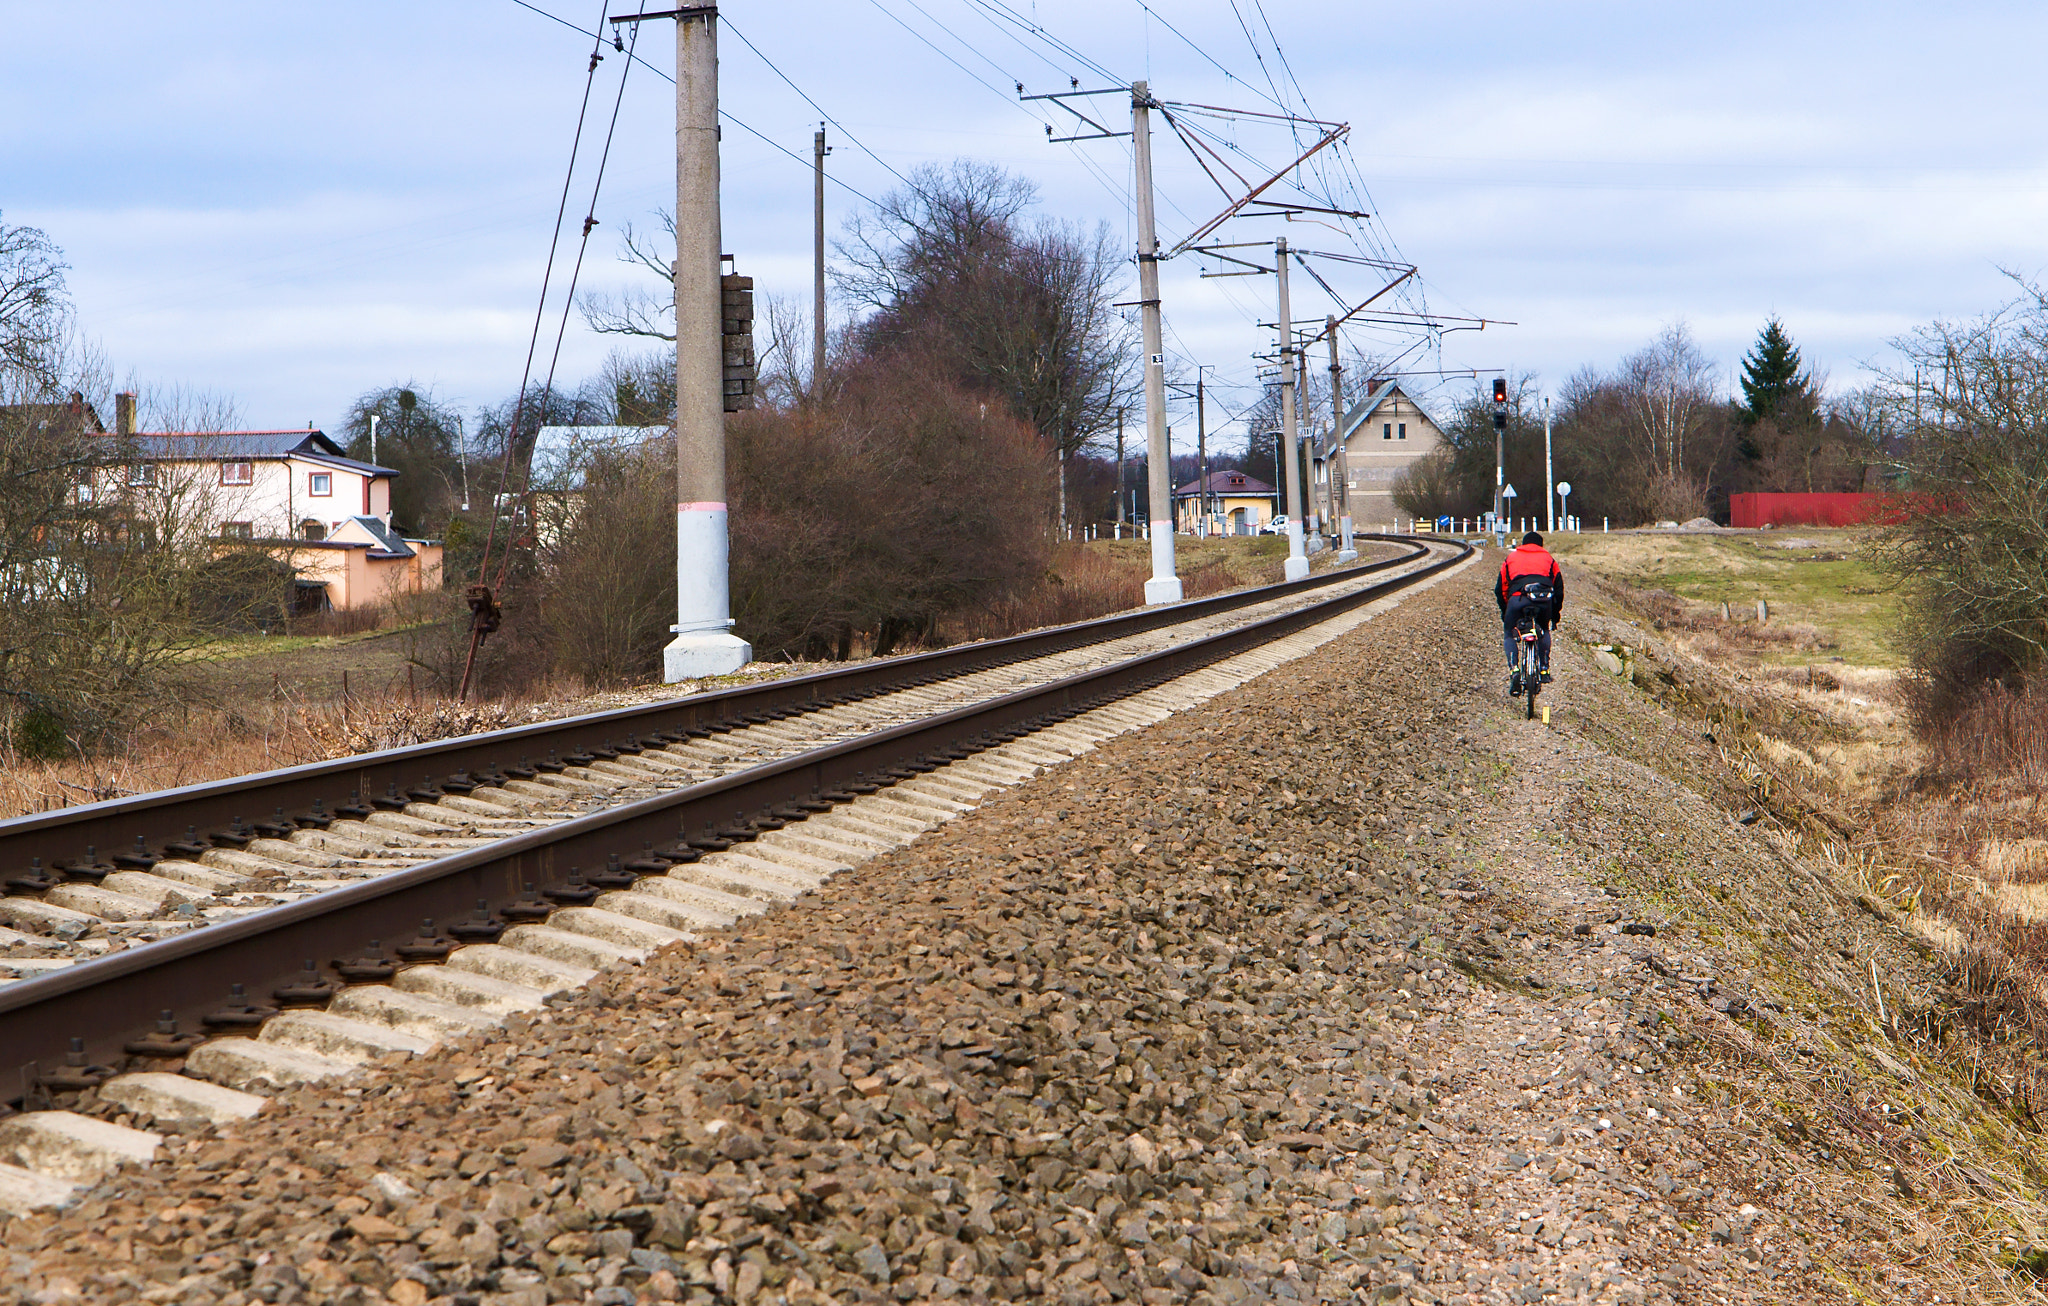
1810,577
245,667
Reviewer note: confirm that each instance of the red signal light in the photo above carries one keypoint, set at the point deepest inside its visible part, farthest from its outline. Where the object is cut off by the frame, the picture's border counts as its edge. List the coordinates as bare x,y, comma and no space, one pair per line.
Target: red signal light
1500,389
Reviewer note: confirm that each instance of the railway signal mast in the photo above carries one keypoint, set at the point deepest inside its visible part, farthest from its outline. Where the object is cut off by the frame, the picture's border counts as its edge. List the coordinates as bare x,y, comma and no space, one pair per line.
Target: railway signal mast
704,644
1500,427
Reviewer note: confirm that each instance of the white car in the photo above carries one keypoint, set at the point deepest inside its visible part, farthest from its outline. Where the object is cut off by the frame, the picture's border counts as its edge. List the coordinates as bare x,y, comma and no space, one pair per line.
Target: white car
1277,526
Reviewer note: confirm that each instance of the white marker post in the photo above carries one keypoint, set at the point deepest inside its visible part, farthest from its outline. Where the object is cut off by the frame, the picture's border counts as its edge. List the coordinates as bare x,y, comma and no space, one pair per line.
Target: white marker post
1564,505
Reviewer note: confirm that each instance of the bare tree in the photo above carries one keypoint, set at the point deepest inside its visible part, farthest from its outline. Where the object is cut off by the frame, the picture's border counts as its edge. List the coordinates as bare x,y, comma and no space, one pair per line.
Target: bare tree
1971,545
1667,389
35,307
1022,309
639,310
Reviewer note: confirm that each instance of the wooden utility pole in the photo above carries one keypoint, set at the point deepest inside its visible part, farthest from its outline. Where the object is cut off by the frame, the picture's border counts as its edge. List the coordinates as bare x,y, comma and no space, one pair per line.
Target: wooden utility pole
1340,461
1164,587
818,153
1297,556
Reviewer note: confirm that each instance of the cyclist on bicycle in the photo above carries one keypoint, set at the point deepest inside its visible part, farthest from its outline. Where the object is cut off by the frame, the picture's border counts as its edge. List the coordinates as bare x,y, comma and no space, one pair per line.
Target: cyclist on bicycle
1530,586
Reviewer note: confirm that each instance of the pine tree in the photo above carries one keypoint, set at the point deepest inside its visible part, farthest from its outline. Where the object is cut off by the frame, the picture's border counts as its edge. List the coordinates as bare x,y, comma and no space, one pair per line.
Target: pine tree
1772,384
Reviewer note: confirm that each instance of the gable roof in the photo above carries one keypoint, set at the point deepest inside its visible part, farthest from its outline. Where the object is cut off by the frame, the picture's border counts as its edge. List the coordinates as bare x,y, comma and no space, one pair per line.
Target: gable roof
267,446
1225,482
1361,412
383,543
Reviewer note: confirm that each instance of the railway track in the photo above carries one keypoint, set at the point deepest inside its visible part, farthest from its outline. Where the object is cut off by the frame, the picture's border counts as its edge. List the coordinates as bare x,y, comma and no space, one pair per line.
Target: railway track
339,931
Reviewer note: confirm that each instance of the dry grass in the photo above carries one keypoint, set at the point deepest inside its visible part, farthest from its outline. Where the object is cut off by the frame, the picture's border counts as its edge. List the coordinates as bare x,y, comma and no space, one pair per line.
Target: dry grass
1094,580
216,744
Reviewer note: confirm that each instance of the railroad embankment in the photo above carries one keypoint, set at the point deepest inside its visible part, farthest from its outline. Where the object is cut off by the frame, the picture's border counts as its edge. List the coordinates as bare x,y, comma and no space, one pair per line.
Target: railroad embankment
1349,984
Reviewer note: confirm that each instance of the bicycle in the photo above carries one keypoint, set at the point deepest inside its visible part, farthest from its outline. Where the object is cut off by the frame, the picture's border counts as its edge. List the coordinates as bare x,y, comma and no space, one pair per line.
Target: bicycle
1526,666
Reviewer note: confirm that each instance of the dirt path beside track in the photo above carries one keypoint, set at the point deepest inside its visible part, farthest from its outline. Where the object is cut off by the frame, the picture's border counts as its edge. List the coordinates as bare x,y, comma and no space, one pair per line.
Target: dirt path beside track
1324,991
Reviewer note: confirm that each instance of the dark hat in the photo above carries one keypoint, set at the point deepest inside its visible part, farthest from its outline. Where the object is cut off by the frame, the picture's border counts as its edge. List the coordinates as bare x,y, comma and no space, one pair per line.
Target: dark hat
1532,538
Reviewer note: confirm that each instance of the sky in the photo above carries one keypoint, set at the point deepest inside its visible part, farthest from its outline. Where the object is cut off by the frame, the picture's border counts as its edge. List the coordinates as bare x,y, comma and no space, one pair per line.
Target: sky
287,205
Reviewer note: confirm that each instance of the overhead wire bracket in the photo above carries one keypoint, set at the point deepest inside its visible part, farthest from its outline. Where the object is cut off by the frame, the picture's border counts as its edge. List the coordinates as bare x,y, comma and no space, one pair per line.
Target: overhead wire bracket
1060,99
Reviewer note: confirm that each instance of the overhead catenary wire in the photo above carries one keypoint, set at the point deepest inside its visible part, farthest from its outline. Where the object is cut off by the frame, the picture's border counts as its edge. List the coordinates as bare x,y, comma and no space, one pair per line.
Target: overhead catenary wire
727,23
575,274
806,164
533,340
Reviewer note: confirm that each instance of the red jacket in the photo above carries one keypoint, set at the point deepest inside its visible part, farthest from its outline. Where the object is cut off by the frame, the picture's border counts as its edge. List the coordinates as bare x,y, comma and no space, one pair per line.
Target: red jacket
1525,561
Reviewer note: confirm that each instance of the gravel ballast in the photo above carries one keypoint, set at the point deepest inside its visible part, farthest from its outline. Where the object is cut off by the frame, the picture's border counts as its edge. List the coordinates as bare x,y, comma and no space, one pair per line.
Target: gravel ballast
1315,992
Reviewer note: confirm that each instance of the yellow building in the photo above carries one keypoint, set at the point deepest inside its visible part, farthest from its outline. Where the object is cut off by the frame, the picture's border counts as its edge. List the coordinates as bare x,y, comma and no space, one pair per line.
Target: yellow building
1237,505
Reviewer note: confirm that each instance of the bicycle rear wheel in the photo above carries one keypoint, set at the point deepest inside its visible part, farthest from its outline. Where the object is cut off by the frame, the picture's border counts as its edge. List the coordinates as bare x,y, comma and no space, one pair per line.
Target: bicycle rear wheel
1532,680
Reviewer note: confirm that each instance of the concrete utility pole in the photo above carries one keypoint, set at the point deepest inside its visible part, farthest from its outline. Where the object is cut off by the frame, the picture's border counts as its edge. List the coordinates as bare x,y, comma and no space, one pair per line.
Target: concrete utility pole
1311,464
1549,475
818,153
1164,587
1201,456
1341,469
1297,557
704,644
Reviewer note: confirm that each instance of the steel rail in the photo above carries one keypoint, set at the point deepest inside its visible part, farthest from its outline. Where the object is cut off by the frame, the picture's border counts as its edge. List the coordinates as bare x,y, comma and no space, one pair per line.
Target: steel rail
115,999
107,832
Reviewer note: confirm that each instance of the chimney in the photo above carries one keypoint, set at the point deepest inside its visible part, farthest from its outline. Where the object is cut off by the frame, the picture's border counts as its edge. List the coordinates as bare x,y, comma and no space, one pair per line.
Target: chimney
124,413
1372,387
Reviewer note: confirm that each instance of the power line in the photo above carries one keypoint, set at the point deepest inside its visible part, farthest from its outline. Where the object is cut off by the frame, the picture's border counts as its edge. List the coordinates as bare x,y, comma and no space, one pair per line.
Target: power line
1190,43
806,164
813,103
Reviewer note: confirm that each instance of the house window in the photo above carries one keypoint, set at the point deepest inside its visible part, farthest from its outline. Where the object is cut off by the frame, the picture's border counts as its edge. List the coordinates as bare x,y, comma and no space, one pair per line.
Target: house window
237,473
320,484
142,473
237,530
1404,431
312,530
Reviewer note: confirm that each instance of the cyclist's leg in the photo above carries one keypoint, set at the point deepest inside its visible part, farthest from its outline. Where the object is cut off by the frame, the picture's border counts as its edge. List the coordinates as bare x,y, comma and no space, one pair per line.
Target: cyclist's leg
1543,646
1508,643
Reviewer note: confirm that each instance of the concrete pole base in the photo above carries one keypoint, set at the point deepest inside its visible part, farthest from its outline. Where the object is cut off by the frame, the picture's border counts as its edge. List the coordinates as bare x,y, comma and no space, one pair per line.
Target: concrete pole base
704,653
1347,555
1297,568
1162,590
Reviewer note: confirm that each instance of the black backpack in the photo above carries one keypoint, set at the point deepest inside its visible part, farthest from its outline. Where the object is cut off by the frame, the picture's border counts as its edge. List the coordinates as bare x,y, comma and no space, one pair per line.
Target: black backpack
1535,589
